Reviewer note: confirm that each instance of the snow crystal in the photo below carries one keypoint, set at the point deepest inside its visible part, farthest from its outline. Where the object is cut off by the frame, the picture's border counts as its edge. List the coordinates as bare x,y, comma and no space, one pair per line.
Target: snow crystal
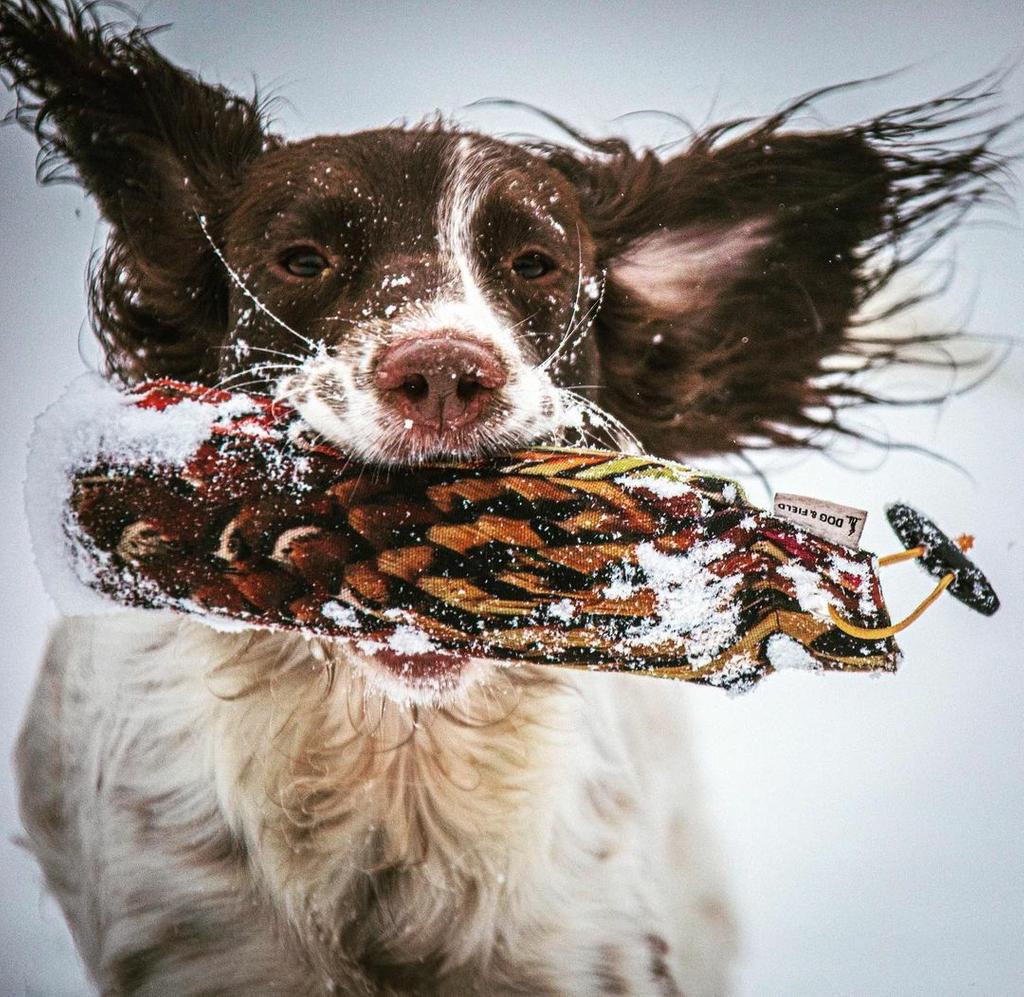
224,624
860,571
695,605
621,583
343,616
785,652
368,646
563,610
410,640
810,595
662,486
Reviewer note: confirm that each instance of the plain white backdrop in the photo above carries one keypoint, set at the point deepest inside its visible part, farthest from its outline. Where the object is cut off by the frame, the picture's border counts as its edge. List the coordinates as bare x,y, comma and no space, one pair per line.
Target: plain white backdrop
873,827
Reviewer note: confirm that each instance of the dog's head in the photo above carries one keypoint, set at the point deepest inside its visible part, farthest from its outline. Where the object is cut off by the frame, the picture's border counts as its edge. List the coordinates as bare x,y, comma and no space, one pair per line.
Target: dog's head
426,291
421,291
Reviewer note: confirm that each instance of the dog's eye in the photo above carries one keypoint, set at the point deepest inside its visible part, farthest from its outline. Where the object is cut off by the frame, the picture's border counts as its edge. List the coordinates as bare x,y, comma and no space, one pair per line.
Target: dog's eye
304,261
532,265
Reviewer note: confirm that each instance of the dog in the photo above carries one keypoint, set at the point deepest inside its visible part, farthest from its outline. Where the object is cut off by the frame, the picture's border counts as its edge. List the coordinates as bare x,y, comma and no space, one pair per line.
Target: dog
261,813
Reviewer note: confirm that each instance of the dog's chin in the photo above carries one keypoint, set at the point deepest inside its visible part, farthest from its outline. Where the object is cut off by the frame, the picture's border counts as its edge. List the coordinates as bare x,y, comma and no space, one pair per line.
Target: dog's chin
432,678
410,446
399,445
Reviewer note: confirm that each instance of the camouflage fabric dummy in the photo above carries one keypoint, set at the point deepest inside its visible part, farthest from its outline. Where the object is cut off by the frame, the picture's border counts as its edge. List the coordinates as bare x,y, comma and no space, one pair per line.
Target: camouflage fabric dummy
219,505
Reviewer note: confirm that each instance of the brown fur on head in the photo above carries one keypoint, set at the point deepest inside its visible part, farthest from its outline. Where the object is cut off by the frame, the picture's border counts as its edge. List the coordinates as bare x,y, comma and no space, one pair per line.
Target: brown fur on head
718,279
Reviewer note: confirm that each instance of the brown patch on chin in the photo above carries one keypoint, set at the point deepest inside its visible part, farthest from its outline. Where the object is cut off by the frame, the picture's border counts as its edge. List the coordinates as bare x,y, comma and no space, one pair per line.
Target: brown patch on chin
422,669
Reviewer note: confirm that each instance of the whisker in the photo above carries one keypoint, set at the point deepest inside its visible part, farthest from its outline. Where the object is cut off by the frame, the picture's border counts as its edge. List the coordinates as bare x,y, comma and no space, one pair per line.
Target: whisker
255,372
582,327
336,318
618,431
522,321
245,290
244,385
254,376
575,300
262,349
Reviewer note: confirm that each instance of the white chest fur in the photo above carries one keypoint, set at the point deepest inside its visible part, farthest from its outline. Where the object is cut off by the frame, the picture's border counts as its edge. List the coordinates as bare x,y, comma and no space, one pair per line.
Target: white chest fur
244,812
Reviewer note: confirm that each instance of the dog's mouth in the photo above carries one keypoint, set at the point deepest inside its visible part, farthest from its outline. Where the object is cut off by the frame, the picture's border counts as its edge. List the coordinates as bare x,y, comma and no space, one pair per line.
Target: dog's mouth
432,668
416,677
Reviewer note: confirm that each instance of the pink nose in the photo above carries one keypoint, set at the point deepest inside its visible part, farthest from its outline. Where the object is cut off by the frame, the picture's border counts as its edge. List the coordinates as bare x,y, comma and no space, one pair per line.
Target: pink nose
439,383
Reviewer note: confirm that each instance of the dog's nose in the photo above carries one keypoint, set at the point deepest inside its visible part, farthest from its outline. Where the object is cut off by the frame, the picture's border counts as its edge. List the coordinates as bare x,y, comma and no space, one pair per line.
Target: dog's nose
440,383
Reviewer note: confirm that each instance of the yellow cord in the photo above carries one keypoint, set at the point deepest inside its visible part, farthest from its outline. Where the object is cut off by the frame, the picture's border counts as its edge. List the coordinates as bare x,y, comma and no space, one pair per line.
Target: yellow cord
866,633
904,555
965,542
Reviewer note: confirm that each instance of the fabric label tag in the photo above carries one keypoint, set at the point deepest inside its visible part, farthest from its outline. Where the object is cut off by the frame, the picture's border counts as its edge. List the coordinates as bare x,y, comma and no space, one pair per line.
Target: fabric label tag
828,520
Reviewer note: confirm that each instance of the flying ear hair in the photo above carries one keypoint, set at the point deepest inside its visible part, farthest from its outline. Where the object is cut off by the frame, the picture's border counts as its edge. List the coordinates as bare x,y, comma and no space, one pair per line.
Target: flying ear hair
156,147
739,264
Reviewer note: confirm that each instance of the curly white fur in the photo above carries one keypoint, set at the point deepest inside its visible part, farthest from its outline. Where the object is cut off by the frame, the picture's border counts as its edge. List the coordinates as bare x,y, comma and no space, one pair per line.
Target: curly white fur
247,813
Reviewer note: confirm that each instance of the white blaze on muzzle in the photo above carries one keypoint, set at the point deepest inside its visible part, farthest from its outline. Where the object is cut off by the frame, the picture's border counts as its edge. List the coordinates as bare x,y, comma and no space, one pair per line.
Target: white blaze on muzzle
335,391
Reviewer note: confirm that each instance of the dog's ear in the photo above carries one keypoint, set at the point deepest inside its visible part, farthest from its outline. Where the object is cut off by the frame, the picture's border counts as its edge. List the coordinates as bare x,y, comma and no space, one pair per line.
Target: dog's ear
159,151
735,267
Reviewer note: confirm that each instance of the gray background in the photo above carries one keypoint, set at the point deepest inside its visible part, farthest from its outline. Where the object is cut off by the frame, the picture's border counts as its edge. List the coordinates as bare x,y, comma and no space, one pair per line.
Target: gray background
873,827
